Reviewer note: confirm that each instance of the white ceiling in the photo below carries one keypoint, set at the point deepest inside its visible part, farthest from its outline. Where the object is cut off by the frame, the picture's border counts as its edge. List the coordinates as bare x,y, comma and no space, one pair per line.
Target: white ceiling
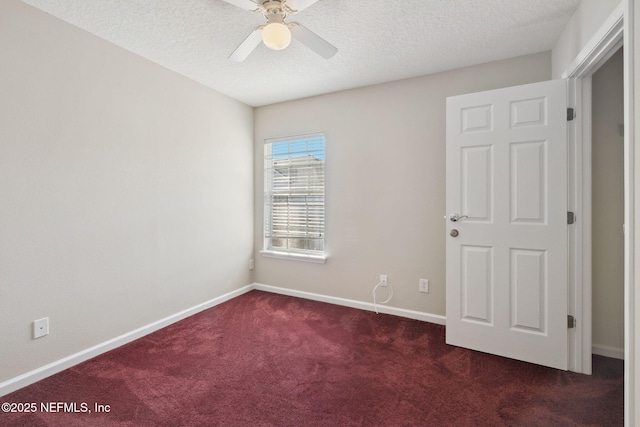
378,41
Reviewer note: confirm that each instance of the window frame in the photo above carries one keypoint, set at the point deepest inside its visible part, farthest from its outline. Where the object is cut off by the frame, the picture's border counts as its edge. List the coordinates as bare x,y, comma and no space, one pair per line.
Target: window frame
309,196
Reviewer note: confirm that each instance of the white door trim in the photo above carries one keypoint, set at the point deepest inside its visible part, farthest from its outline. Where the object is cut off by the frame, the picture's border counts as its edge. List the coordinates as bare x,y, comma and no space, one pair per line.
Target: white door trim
617,30
631,385
601,47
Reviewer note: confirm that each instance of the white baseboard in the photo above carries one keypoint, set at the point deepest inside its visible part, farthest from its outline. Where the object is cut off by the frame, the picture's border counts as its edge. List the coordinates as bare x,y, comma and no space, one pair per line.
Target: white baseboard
608,351
416,315
38,374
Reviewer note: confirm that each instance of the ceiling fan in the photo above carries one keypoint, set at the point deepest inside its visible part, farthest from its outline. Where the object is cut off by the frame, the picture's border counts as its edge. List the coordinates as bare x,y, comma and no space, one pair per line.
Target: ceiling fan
276,33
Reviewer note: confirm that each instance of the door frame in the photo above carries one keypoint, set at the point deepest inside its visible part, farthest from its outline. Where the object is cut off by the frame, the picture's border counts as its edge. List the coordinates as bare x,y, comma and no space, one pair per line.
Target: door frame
604,44
616,31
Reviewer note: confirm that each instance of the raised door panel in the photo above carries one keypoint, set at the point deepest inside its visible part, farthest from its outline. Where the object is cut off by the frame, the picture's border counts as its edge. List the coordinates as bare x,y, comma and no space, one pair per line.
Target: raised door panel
477,284
477,185
528,182
528,291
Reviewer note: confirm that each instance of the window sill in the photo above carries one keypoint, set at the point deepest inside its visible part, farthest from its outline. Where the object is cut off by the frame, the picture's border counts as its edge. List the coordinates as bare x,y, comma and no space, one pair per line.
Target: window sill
318,259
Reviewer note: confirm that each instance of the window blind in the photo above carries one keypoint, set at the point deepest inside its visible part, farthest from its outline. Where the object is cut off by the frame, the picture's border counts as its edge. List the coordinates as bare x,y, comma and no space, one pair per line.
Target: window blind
294,194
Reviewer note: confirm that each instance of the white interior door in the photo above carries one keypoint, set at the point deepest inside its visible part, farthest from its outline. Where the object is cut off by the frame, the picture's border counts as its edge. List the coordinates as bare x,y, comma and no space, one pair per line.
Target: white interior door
507,264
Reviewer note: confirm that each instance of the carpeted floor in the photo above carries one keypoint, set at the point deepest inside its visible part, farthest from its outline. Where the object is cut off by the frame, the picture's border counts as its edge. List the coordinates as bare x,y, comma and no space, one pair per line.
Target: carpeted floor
271,360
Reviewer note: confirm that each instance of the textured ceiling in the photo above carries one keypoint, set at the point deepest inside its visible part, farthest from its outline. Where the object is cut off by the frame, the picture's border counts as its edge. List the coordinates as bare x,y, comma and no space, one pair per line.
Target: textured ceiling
378,41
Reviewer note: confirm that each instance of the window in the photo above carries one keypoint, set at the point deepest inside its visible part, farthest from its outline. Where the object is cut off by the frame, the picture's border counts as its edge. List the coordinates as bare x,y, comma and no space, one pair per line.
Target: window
294,197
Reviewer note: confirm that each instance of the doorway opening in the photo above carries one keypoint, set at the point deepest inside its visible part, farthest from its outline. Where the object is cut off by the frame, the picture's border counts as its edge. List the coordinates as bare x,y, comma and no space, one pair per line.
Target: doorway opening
607,200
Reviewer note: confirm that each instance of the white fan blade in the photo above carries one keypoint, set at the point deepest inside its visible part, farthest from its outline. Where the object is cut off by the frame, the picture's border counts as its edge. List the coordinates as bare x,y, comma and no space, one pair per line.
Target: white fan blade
247,46
299,5
243,4
313,41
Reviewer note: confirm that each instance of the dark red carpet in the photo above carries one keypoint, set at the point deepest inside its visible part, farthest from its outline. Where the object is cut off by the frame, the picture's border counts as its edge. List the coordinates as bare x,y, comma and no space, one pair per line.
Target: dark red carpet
270,360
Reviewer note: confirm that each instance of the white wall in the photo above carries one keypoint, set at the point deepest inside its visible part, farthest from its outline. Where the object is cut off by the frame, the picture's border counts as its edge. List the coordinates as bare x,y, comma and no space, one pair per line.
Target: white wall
608,205
632,365
385,181
126,190
587,19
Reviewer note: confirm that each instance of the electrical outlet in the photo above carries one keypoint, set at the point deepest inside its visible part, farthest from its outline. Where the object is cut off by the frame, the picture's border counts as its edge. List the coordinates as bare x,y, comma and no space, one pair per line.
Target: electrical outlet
383,280
40,327
251,265
424,286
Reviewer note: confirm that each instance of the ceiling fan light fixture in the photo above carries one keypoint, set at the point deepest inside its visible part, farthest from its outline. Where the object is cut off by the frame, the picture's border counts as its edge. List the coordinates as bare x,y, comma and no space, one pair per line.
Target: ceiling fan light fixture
276,36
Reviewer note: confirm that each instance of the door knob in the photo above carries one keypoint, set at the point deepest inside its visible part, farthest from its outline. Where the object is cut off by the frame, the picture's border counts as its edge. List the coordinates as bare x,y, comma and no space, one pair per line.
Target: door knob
455,217
454,233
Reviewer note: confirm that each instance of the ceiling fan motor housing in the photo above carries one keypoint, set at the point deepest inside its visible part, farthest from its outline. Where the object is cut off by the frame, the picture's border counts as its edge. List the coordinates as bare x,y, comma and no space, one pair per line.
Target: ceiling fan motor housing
275,11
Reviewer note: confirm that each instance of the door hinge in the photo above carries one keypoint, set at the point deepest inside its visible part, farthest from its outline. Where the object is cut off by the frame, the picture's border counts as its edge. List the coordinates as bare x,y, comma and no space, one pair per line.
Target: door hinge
571,218
571,322
571,114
